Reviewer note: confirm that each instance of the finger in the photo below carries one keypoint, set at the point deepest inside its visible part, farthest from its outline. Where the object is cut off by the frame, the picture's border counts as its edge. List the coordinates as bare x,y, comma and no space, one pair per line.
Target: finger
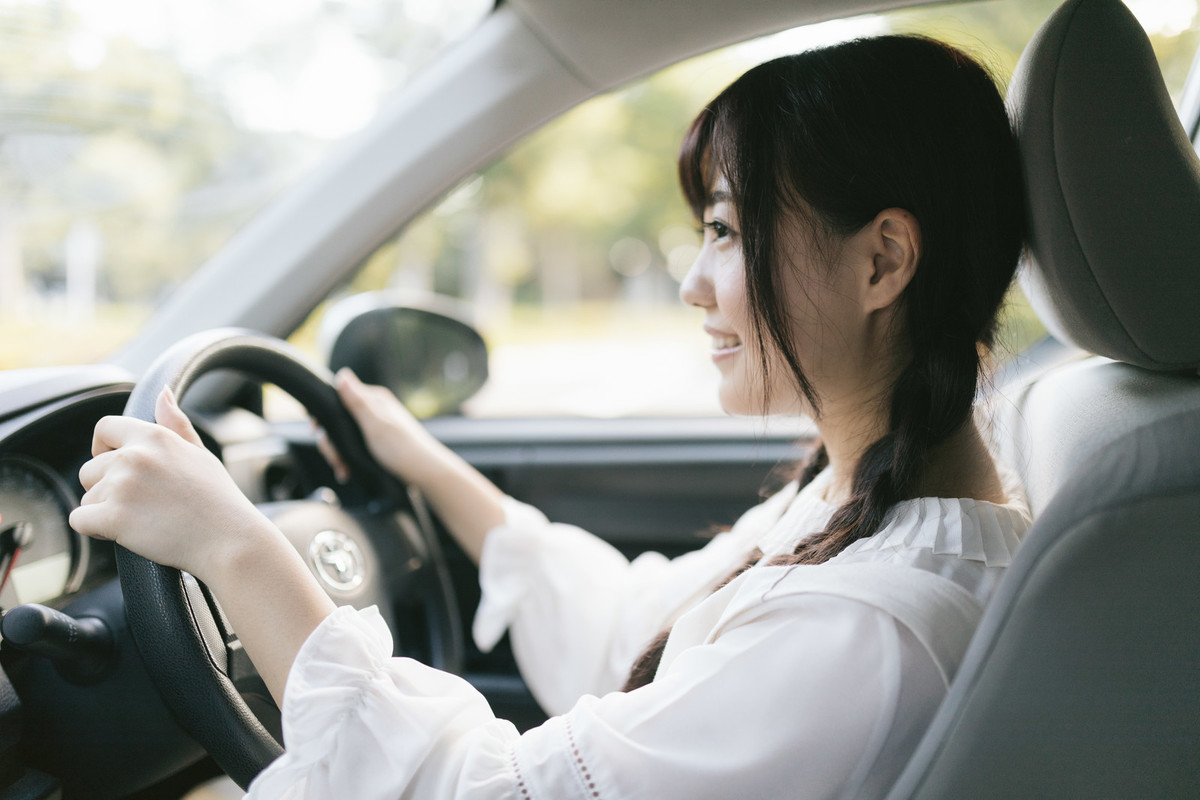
96,494
94,520
330,453
92,471
364,400
350,389
168,414
114,432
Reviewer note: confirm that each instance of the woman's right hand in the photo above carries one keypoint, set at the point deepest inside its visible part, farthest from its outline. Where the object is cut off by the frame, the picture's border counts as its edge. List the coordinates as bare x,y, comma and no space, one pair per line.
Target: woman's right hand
466,502
395,438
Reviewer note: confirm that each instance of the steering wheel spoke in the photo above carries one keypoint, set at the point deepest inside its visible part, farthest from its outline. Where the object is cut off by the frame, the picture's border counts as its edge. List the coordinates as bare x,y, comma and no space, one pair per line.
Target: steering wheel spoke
342,549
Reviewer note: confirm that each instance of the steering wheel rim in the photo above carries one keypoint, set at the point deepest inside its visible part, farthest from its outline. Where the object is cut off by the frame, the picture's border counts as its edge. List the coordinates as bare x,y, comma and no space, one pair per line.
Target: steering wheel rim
171,624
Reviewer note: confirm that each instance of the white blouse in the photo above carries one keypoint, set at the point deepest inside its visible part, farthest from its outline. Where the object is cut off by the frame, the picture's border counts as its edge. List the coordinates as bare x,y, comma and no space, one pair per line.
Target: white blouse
802,681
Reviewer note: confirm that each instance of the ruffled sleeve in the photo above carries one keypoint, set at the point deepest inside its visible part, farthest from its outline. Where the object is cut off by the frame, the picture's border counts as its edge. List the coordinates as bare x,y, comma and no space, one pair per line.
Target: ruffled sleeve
578,611
804,694
359,723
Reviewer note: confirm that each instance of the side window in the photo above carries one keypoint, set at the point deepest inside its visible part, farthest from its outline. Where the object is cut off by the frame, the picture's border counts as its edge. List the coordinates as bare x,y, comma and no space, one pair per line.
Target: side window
570,249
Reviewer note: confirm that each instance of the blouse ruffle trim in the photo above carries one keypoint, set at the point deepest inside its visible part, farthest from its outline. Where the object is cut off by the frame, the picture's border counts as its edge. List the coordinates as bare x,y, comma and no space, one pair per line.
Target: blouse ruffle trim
968,529
502,566
332,670
517,553
963,527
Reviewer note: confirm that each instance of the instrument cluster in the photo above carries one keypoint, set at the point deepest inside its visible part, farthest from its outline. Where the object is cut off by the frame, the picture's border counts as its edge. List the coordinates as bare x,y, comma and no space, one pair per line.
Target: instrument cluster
41,558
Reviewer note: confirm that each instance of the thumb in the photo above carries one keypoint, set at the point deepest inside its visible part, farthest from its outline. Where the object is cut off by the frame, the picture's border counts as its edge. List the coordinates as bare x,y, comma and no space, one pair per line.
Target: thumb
350,388
168,414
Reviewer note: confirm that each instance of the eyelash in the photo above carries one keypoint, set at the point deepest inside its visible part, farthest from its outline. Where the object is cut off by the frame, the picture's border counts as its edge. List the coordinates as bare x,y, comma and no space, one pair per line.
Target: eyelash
720,229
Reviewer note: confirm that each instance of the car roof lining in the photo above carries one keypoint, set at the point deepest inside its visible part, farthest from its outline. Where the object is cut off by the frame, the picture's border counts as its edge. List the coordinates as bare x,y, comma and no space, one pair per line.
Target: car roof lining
643,37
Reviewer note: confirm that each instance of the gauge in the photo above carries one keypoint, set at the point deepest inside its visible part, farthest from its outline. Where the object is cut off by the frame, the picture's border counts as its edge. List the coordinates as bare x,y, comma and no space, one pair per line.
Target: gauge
34,506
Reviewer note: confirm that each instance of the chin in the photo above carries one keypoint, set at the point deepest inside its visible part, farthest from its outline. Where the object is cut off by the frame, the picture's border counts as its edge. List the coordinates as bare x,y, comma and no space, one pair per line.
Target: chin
782,400
736,402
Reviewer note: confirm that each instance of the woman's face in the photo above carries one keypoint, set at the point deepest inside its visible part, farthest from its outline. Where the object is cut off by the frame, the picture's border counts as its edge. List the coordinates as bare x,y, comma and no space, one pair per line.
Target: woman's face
822,312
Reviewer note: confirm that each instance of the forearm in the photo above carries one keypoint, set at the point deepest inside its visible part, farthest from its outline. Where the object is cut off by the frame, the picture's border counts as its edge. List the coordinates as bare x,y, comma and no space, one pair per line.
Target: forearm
465,501
271,599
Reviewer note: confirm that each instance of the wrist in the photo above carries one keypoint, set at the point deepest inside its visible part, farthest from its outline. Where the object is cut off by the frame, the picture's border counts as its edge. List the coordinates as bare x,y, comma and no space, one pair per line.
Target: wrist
269,596
255,547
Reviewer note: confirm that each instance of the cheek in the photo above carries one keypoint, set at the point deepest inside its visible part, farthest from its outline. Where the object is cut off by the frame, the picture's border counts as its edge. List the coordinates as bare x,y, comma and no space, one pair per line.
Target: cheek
810,336
729,288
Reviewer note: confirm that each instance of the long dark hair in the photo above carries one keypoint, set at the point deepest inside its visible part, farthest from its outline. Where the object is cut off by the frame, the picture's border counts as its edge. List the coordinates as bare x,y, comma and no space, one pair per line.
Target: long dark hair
830,138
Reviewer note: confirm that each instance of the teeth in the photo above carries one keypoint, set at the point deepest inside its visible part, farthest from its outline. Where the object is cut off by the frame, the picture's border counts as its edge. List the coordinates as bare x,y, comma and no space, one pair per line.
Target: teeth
725,342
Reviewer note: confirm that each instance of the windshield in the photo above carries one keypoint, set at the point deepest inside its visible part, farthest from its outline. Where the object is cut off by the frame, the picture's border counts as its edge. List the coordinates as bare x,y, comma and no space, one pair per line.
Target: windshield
138,135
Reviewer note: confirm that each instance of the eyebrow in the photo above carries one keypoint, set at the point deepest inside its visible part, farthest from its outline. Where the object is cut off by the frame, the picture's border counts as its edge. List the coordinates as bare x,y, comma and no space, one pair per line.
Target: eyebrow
719,197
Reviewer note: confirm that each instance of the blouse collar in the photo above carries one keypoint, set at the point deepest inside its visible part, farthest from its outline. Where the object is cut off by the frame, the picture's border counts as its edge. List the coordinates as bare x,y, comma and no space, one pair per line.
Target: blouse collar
957,526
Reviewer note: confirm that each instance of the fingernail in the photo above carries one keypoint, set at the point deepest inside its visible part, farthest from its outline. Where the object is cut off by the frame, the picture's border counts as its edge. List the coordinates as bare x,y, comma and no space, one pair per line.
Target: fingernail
170,395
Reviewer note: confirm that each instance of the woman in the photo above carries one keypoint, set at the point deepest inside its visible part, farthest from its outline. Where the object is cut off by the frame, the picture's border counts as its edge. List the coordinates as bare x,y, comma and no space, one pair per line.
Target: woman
862,219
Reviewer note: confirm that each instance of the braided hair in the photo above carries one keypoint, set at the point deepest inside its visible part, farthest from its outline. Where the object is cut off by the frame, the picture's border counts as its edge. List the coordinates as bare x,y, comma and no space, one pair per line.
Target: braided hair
827,139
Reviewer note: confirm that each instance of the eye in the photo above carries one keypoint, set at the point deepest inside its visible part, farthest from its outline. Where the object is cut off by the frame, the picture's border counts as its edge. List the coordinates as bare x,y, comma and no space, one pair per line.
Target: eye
719,229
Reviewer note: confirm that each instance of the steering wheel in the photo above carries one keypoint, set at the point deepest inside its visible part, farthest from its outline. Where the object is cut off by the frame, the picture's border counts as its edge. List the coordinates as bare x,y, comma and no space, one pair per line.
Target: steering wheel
375,546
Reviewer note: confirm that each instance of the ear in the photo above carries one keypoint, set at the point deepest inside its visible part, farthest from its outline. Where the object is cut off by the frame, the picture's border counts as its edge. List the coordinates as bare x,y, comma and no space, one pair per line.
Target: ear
892,241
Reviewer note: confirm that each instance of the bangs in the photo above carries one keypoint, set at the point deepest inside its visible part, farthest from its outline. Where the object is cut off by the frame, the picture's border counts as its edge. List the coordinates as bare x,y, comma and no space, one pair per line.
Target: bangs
697,165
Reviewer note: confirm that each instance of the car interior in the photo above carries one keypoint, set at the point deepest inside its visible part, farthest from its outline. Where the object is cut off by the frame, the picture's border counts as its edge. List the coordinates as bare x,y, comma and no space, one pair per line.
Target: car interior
1081,680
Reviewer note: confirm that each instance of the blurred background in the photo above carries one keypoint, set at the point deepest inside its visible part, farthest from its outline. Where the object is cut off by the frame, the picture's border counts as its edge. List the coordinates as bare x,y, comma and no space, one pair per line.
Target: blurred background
138,136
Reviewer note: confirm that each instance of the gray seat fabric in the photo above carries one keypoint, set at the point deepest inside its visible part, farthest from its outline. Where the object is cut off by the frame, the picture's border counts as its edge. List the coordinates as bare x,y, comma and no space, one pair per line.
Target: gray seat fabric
1114,190
1083,680
1051,427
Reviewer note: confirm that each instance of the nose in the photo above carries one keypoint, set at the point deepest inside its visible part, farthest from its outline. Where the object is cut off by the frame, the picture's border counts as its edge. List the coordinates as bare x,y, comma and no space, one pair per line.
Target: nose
696,288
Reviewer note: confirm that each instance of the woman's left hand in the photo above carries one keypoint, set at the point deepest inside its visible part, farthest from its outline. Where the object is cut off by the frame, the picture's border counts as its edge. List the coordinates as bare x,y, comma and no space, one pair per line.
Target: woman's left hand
156,490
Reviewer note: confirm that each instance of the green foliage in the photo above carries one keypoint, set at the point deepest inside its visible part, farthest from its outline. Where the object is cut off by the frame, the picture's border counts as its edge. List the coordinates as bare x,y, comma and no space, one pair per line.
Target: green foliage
547,214
548,223
119,144
129,144
136,145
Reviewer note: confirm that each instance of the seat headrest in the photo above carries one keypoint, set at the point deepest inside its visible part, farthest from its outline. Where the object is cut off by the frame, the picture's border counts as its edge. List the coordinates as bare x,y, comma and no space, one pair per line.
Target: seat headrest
1114,190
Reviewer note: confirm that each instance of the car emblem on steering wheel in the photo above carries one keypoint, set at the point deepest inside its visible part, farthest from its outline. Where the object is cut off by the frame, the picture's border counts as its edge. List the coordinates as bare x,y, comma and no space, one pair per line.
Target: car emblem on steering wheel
338,561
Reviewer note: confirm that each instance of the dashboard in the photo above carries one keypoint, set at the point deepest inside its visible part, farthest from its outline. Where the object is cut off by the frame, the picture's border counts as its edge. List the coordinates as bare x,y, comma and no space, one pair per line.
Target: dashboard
111,736
41,558
45,437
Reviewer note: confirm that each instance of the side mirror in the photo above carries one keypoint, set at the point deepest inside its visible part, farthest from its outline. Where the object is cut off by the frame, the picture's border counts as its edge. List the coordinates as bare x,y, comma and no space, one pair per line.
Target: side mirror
423,352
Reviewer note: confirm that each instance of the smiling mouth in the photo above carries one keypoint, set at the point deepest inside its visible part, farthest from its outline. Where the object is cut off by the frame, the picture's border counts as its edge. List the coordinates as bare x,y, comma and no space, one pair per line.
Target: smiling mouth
724,343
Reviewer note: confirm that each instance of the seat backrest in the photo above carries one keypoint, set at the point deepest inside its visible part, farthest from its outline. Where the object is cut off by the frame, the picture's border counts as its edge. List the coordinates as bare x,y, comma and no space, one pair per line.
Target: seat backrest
1083,680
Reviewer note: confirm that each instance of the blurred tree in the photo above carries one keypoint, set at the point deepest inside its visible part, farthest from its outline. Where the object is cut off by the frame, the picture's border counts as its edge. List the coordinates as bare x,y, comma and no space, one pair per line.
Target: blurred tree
138,137
548,216
124,137
579,233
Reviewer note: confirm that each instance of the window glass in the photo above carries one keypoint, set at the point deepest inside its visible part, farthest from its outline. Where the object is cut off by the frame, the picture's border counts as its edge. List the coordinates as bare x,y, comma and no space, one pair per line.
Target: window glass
137,135
571,248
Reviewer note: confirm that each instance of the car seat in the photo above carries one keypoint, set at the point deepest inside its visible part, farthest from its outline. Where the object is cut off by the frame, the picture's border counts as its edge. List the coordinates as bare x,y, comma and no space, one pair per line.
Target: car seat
1083,679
